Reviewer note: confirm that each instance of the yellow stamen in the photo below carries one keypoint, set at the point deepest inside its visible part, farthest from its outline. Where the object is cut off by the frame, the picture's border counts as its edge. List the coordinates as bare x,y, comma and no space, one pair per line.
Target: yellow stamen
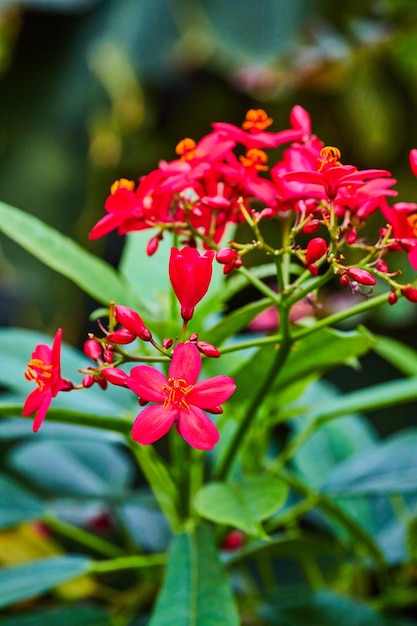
38,372
412,222
329,156
122,183
177,390
257,119
186,149
255,158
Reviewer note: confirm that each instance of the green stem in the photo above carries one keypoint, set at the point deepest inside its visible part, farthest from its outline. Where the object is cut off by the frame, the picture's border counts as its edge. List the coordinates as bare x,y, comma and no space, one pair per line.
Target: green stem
358,535
362,307
261,286
233,449
128,562
83,537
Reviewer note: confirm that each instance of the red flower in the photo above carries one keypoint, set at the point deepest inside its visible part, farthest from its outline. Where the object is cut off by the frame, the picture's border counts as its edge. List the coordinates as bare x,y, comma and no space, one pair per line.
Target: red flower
180,399
190,276
44,369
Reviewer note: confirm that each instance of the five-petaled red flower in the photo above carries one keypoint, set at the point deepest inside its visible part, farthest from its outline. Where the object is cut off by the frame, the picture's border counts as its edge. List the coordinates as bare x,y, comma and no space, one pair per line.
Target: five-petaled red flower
181,399
44,369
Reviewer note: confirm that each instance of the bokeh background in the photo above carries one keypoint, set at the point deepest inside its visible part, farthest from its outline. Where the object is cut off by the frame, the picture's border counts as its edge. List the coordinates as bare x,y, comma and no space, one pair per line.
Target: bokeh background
94,90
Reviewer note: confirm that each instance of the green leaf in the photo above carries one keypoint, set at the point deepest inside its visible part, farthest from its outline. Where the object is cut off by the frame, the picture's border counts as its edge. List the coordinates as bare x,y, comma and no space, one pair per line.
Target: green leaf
96,277
32,579
196,590
73,468
294,605
236,321
69,616
243,504
401,356
17,504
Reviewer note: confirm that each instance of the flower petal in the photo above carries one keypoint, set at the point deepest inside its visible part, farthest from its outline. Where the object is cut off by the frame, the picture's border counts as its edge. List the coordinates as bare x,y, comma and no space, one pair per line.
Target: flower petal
186,363
209,393
153,423
147,382
197,429
41,412
33,402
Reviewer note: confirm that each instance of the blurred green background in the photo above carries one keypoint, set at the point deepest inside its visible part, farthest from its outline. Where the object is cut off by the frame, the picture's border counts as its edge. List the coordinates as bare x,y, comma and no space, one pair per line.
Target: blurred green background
94,90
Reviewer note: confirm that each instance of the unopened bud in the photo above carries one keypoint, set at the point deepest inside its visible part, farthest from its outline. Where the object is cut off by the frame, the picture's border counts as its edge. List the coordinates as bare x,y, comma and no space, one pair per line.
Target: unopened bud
316,249
410,293
115,376
93,349
311,227
344,280
226,256
88,381
392,297
361,276
133,322
381,266
208,349
122,336
167,343
108,354
152,245
351,237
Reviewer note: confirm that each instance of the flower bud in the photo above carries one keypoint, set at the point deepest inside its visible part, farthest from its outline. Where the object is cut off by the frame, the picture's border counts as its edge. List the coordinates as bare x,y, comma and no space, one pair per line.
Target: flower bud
167,343
115,376
93,349
311,226
190,275
351,237
88,381
313,269
121,336
344,280
133,322
382,266
361,276
410,293
233,540
208,349
392,297
226,256
108,354
152,245
316,248
413,161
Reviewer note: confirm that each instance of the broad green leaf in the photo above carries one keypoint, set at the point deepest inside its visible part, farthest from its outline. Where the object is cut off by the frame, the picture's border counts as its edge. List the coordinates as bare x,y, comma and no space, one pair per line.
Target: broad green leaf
389,467
411,538
400,355
96,277
196,590
73,468
75,615
17,504
242,504
294,605
27,581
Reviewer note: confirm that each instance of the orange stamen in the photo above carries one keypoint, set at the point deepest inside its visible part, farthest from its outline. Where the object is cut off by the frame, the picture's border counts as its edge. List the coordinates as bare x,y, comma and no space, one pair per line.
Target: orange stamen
329,157
122,183
412,222
177,390
38,372
255,158
257,119
186,149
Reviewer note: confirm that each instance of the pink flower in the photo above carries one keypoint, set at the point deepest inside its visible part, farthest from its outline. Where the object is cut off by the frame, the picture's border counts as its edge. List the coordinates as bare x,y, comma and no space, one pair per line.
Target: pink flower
180,399
44,369
190,276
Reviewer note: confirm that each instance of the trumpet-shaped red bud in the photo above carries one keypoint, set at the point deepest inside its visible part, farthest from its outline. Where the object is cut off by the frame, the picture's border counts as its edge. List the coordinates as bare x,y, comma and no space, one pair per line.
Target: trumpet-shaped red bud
208,349
226,256
93,349
115,376
316,248
121,336
133,322
190,275
88,381
361,276
410,293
